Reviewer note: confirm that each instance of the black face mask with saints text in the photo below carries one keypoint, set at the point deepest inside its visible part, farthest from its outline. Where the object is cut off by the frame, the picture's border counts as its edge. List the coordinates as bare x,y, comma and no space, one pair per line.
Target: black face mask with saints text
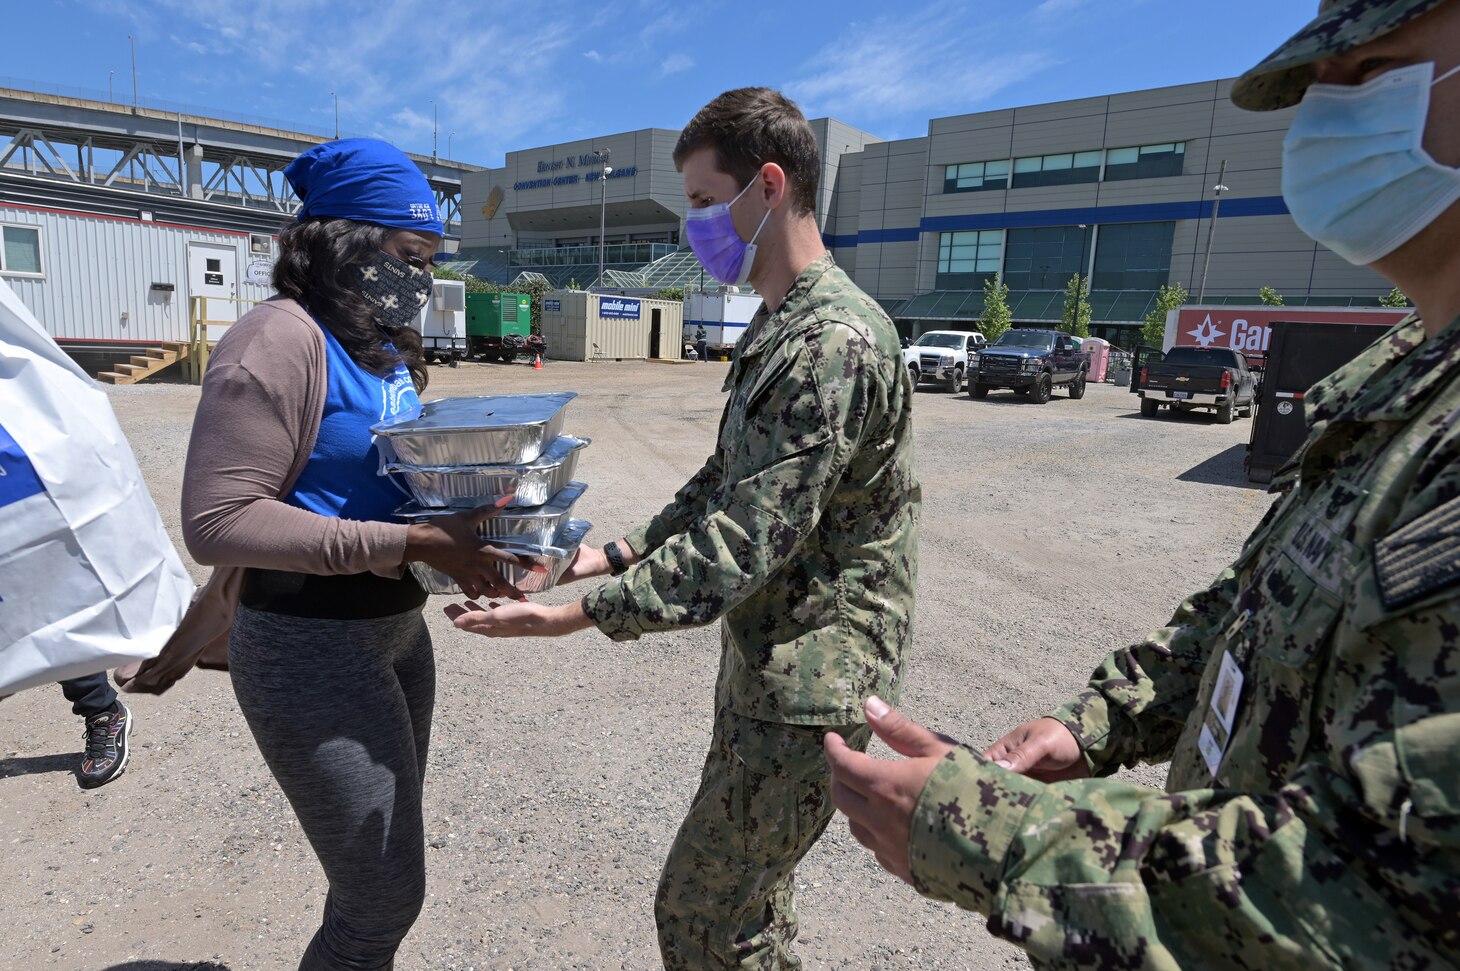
395,290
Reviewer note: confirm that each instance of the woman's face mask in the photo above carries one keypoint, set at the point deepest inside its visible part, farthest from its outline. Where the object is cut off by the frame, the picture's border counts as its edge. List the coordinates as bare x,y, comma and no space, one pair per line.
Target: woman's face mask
395,290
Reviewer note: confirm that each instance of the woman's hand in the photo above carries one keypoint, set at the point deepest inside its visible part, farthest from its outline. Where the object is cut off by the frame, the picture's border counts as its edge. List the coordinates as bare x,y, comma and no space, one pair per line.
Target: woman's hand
452,545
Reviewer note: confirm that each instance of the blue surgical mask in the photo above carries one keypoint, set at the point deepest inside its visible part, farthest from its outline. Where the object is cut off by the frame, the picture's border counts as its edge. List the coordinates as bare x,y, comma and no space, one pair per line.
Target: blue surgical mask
718,246
1356,176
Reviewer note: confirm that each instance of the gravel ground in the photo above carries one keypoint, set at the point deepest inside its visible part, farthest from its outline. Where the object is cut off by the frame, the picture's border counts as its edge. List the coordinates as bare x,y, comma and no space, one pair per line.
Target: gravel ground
560,769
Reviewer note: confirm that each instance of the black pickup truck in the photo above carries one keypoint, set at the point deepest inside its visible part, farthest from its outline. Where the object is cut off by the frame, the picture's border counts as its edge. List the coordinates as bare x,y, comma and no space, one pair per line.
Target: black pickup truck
1199,377
1031,362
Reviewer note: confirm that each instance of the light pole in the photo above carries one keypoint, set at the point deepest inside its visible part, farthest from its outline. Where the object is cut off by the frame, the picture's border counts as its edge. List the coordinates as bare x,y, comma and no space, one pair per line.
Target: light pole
1219,188
602,210
435,130
109,76
337,114
449,137
134,72
1079,281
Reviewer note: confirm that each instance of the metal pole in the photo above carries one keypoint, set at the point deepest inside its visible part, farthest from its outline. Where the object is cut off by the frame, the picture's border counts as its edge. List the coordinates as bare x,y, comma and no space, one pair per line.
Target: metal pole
1079,281
449,137
182,164
134,72
602,211
337,114
435,131
1219,188
109,76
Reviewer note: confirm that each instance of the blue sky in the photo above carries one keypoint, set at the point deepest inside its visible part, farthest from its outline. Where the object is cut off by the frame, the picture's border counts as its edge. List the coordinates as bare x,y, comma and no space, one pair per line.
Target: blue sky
520,75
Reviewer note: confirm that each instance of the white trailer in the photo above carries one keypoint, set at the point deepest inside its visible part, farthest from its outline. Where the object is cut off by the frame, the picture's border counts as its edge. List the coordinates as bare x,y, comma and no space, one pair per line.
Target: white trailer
443,322
724,315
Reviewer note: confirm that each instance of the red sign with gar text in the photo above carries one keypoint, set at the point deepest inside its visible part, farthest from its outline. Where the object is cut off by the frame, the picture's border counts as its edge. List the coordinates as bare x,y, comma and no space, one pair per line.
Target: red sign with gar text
1248,329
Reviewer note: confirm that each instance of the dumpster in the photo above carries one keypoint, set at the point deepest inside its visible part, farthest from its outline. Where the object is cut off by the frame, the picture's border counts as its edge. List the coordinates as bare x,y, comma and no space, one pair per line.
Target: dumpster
1300,353
498,325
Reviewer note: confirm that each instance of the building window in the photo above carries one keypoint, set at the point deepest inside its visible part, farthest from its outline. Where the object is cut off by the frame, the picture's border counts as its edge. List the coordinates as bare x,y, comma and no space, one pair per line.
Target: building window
1133,256
1045,258
20,251
965,260
1069,168
1144,161
976,176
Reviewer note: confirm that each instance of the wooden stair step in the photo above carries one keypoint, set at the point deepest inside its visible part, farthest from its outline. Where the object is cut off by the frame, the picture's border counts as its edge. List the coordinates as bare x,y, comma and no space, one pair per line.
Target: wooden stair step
112,377
132,370
162,354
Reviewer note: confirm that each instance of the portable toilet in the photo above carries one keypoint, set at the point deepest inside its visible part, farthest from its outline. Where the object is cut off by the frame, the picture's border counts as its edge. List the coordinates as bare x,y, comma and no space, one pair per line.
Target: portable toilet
1098,353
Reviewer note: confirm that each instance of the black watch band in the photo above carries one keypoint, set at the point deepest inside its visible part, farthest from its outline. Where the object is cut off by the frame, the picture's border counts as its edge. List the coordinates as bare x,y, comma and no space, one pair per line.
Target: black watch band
616,564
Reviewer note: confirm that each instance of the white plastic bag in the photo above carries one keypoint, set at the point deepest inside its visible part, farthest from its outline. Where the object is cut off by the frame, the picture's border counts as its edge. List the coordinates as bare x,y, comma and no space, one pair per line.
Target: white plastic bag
88,577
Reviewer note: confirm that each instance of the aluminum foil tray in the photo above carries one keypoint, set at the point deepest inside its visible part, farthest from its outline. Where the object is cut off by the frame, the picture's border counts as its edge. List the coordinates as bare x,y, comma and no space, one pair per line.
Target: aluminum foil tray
555,557
510,429
538,525
529,485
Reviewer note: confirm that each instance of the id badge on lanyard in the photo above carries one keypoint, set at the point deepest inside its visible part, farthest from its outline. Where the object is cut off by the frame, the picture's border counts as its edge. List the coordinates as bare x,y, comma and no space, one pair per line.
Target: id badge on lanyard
1221,714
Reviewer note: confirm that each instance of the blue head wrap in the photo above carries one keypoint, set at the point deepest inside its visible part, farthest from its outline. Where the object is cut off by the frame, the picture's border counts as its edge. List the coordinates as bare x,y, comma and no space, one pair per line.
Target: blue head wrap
366,180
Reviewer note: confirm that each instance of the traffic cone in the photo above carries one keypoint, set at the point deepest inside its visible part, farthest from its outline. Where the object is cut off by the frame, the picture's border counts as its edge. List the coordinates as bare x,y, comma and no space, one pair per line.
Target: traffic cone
537,363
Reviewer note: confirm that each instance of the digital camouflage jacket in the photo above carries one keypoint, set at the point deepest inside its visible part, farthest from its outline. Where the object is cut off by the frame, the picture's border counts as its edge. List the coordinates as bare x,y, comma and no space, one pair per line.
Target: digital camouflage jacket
801,529
1330,834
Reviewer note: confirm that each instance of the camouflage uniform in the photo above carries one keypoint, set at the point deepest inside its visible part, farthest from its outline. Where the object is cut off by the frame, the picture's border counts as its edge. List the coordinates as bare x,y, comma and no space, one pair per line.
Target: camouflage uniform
801,532
1330,835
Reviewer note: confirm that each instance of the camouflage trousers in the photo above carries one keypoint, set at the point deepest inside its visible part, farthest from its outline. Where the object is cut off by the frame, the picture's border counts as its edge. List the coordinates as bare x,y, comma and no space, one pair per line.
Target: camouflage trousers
725,898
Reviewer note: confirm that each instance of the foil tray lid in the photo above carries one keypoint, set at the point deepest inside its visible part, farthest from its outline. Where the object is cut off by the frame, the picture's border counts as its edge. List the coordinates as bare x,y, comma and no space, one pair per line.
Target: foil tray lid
559,505
478,413
565,544
554,455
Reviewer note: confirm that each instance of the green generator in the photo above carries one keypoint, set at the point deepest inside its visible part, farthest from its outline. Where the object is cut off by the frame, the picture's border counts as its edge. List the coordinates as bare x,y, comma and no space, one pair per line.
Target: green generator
498,325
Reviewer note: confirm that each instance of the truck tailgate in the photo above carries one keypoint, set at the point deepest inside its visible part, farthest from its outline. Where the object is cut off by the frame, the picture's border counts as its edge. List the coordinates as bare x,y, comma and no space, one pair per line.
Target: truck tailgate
1195,379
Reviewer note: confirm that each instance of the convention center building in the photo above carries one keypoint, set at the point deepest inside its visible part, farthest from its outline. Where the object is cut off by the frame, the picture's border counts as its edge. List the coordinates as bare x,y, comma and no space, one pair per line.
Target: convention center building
1121,188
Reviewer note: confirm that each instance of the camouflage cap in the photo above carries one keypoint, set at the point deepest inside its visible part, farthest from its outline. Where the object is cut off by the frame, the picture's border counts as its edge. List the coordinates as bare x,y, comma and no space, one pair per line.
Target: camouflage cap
1341,25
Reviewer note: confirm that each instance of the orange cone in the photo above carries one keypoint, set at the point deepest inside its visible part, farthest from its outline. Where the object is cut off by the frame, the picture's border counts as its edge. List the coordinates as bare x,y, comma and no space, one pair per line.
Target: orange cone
537,363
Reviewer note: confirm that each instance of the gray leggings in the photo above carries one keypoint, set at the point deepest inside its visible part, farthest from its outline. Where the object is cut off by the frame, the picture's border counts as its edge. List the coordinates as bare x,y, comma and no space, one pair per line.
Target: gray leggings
341,710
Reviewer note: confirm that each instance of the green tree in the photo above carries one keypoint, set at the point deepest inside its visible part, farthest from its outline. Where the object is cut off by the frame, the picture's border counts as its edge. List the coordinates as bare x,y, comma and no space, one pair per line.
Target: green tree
1394,298
1076,316
996,317
1270,297
1168,298
669,293
443,274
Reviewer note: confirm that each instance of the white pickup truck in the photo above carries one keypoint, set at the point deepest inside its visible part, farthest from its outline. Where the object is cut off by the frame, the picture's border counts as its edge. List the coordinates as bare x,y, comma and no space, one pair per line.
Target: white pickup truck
943,355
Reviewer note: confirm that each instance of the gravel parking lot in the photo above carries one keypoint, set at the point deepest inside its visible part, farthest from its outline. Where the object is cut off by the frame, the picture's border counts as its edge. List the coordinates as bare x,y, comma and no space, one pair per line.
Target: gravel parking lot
560,769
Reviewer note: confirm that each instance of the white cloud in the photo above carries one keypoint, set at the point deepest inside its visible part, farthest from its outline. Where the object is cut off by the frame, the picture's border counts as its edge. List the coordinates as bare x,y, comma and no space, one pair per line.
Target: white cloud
1053,8
594,56
675,63
885,68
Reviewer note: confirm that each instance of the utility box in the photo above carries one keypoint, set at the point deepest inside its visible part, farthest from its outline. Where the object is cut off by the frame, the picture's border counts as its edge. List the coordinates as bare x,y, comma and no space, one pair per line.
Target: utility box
493,319
1300,354
442,322
582,326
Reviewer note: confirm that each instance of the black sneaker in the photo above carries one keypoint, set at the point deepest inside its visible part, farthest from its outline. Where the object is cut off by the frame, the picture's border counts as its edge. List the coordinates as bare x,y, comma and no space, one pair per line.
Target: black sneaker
106,746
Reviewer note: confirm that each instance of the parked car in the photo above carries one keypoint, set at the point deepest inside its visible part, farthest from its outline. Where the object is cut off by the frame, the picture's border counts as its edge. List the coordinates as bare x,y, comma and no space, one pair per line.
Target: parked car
943,355
1199,377
1032,362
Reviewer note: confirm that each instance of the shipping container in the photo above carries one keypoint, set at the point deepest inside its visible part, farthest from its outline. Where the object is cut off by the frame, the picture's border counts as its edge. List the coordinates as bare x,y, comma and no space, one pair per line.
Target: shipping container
582,326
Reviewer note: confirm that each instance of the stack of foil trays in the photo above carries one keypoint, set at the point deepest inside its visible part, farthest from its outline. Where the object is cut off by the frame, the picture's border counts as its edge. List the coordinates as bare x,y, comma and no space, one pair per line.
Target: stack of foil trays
461,453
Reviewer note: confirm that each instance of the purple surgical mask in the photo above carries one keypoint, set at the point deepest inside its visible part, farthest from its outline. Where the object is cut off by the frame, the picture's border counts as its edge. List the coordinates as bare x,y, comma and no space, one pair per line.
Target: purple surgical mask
718,246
